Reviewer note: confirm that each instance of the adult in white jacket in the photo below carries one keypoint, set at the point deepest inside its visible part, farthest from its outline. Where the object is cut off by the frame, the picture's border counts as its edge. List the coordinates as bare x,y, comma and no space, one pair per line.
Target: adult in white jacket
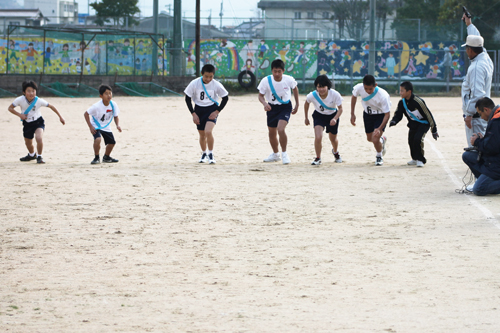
477,81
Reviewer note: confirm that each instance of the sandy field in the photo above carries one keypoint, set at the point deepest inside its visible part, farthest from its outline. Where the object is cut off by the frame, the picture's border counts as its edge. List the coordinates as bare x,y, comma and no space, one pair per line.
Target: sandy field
160,243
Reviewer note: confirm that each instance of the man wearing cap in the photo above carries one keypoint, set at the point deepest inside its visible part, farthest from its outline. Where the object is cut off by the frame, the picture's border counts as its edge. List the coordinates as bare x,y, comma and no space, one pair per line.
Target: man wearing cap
477,81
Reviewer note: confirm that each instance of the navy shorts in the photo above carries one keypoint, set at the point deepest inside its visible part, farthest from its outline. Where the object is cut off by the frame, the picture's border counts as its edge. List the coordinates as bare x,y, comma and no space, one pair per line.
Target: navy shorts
277,113
373,121
203,113
30,128
109,138
323,120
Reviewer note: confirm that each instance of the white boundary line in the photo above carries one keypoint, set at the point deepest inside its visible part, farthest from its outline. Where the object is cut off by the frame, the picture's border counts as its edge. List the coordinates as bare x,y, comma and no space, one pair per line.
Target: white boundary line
487,213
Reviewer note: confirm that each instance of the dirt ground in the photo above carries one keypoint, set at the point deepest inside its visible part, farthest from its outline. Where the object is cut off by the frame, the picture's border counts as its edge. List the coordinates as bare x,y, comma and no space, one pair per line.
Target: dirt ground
160,243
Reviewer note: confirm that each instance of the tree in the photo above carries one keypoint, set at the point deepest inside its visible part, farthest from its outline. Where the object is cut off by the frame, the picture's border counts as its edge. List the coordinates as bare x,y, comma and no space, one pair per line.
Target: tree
120,11
383,8
351,15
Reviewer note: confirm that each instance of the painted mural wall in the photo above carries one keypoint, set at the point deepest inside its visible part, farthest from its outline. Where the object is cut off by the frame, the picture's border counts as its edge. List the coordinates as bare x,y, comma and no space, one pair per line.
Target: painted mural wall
303,58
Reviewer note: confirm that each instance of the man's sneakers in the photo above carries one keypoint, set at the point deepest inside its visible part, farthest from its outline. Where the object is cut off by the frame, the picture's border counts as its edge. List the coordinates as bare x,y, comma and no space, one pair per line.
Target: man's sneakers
108,159
384,140
285,158
470,188
274,157
419,164
338,159
317,161
95,160
28,158
379,161
40,160
204,158
211,159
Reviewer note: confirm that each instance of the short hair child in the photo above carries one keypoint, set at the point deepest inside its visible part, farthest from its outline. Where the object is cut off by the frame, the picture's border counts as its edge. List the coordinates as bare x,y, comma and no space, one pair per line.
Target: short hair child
328,109
33,122
99,117
275,94
377,107
205,92
420,120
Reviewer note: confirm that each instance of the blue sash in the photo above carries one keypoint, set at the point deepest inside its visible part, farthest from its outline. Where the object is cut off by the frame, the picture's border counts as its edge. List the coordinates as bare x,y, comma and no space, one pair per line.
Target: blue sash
274,91
412,115
320,101
99,124
31,106
367,98
206,92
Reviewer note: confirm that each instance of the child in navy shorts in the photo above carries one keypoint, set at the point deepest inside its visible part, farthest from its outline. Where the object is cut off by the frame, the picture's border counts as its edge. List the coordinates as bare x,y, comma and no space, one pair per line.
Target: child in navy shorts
275,92
33,123
99,117
205,92
328,108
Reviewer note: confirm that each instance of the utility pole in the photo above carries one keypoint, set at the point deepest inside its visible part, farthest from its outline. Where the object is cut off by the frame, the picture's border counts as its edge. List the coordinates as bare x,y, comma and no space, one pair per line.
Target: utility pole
155,32
197,56
371,58
177,42
221,13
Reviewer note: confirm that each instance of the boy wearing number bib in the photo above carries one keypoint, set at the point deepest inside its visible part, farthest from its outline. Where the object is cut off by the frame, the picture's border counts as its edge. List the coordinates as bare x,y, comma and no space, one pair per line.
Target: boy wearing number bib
33,123
205,92
275,92
377,107
420,120
99,118
328,108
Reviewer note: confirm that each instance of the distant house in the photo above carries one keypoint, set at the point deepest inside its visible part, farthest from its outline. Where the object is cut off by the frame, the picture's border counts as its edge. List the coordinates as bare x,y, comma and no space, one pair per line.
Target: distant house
29,17
246,30
59,11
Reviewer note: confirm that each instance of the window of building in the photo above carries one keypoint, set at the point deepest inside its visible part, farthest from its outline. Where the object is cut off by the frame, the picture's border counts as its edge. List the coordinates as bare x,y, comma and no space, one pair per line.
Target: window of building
310,15
298,15
326,15
14,23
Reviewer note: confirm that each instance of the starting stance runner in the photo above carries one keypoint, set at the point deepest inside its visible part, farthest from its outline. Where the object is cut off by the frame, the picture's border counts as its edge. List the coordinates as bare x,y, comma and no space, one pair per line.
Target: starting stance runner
420,119
205,92
33,123
328,109
377,107
275,92
103,113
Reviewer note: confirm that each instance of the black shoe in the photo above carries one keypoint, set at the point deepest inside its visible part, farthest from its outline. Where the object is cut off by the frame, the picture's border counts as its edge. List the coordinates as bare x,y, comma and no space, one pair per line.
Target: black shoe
27,158
95,161
40,160
108,159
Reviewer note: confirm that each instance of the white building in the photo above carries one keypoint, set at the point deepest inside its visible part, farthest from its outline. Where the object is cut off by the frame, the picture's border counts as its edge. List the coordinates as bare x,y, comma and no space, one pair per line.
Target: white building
29,17
58,11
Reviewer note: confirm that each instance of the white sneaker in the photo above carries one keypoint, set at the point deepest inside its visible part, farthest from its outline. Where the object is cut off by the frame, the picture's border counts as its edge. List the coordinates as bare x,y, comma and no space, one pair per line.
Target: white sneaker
384,140
338,159
470,188
317,161
379,161
204,158
412,162
420,164
211,159
274,157
285,158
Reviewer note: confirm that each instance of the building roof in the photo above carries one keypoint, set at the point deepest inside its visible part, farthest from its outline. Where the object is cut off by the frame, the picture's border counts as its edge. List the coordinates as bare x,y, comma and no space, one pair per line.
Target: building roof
26,13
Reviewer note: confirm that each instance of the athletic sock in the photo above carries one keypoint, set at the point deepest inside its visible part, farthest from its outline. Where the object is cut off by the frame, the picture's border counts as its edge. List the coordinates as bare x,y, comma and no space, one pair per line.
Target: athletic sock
210,152
379,154
97,156
34,154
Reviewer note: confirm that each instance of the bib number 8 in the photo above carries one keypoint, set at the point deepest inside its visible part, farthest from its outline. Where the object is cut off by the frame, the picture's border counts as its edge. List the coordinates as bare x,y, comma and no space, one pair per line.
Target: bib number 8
202,95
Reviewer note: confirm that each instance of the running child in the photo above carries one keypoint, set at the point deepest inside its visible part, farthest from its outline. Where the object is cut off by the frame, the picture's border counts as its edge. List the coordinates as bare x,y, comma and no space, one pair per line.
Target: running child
99,117
275,92
420,119
328,109
205,92
33,123
377,107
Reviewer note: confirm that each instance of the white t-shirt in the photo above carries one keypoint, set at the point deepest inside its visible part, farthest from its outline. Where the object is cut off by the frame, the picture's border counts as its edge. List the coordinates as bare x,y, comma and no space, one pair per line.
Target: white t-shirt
195,90
34,113
102,115
380,103
332,100
283,89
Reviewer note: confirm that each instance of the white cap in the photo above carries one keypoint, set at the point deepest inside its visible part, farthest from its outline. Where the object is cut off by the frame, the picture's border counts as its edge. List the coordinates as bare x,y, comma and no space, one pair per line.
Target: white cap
474,41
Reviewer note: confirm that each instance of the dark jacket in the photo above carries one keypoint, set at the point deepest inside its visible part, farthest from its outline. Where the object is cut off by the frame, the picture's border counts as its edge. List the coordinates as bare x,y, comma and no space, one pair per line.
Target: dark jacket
414,103
489,146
